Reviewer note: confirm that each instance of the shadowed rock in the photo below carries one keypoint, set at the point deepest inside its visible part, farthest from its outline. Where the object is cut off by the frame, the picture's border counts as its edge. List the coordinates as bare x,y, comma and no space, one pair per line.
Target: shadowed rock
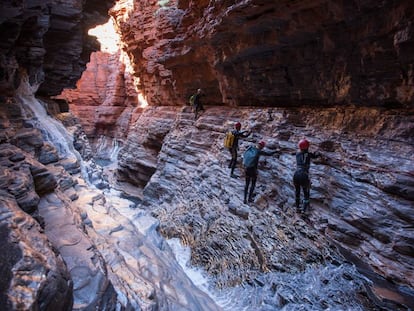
28,258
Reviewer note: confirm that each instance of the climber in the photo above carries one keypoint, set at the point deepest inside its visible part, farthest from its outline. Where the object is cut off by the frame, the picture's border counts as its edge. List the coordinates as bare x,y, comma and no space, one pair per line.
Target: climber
237,133
250,163
195,100
301,176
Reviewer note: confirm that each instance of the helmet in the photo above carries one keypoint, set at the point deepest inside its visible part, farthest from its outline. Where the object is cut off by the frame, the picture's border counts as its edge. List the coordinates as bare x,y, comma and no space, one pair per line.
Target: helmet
303,144
237,125
262,144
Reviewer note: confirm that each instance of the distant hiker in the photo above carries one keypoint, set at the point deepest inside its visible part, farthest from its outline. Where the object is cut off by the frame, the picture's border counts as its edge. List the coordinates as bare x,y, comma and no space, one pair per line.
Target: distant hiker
250,163
196,103
301,177
234,145
270,117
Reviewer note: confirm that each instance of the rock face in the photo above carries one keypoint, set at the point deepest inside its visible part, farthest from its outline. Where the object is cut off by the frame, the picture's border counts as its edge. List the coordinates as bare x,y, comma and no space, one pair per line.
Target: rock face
104,98
48,41
261,53
362,190
49,262
256,53
86,254
343,73
27,257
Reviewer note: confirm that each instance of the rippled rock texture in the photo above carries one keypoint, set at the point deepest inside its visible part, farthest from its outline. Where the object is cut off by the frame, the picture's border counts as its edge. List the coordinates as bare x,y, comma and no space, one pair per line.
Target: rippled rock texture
362,189
33,276
49,262
245,54
82,249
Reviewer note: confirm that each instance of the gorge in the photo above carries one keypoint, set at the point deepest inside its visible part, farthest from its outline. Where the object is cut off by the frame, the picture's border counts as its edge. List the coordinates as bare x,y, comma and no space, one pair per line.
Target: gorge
105,176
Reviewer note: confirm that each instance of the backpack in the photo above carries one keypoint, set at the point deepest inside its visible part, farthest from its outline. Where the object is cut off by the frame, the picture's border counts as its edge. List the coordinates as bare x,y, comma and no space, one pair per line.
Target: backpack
192,99
229,140
250,157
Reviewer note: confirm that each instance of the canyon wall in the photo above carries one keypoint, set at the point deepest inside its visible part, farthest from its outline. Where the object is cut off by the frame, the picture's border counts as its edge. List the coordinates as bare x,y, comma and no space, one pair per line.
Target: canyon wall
261,53
105,98
361,196
338,73
45,47
48,40
352,57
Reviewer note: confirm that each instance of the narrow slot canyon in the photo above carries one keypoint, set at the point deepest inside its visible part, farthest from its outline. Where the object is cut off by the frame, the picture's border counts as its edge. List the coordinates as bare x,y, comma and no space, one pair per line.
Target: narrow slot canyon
117,194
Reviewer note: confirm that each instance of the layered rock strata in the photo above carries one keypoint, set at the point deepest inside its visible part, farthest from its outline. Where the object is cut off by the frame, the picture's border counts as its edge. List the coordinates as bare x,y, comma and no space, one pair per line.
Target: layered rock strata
48,40
54,265
104,99
254,53
82,248
362,190
250,53
33,275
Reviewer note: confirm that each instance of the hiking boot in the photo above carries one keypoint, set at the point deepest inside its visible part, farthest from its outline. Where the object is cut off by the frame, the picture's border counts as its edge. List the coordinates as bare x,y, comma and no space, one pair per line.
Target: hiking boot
234,176
306,205
244,201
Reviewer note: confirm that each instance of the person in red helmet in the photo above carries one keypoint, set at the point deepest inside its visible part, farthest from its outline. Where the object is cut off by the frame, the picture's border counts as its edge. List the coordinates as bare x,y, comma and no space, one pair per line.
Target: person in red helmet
301,177
235,147
250,162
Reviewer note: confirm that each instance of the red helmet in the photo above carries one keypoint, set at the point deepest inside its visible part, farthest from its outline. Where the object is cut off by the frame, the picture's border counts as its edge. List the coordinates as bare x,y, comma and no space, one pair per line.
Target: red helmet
303,144
237,125
261,144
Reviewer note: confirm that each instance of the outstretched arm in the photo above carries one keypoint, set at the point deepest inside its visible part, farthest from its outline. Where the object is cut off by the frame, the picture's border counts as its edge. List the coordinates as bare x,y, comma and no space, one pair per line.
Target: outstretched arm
245,134
269,153
314,155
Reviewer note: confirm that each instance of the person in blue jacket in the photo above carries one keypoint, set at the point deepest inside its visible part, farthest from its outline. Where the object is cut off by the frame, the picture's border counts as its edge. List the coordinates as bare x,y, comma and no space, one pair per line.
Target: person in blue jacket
251,168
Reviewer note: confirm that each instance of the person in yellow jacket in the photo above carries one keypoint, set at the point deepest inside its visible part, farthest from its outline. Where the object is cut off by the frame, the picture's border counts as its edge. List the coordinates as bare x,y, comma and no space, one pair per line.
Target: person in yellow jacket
235,147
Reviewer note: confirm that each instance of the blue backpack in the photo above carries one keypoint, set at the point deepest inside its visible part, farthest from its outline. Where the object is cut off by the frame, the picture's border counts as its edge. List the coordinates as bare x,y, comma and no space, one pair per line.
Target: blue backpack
250,157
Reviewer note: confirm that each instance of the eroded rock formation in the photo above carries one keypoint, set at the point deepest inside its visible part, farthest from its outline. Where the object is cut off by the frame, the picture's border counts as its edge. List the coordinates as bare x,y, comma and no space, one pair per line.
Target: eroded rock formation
33,276
260,53
361,200
47,40
256,53
343,73
104,98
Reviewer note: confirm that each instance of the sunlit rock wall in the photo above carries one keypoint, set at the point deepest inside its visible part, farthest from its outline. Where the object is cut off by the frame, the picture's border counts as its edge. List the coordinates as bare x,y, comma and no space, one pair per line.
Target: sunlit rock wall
252,53
104,98
296,54
272,53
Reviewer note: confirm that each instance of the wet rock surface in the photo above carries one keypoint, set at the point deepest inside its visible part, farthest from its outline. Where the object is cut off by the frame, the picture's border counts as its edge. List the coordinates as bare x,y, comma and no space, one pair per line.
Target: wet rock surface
242,54
193,196
81,227
34,276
